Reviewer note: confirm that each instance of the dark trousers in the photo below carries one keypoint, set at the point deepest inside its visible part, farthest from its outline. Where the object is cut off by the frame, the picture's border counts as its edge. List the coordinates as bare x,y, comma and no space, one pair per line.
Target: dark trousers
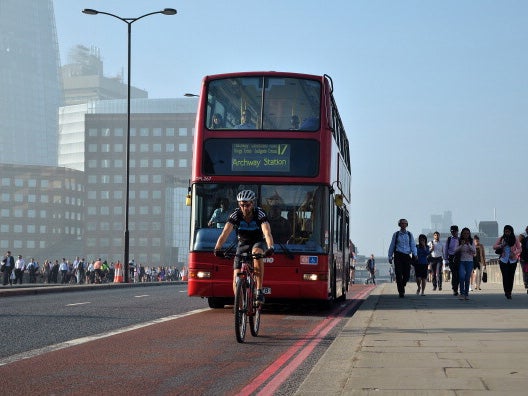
455,276
7,276
402,269
19,274
32,275
508,275
436,270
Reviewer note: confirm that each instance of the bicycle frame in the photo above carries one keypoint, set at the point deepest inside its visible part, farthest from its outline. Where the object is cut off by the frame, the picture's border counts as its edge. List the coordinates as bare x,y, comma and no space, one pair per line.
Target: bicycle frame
246,307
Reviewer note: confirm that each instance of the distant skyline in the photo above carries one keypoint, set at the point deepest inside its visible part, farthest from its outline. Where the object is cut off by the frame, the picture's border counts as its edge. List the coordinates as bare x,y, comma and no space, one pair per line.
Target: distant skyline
433,95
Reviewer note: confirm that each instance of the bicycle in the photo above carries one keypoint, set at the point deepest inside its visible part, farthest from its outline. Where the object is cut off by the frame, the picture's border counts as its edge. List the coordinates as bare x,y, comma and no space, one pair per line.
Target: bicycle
246,307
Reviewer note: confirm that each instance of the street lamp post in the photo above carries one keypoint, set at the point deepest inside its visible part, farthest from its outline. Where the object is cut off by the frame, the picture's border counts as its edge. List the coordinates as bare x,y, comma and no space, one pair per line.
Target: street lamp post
129,22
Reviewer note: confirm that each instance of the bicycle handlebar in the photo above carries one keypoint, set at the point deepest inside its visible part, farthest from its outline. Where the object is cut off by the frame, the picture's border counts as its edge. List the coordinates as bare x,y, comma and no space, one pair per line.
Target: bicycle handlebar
255,256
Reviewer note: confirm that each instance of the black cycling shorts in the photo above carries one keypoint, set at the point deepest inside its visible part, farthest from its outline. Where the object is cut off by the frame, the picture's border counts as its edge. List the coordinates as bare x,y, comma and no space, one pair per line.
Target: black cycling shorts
243,248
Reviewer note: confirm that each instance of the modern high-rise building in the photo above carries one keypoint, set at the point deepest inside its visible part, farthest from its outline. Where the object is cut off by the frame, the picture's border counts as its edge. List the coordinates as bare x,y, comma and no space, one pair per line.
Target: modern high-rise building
30,85
83,79
84,85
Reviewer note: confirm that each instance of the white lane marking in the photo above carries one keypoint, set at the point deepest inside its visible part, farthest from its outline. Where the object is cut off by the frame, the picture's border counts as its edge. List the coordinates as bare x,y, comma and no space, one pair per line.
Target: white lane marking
81,303
83,340
142,295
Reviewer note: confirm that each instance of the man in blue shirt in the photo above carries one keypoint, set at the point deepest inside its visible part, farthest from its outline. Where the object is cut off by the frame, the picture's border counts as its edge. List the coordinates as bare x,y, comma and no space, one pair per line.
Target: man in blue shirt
402,250
449,253
220,215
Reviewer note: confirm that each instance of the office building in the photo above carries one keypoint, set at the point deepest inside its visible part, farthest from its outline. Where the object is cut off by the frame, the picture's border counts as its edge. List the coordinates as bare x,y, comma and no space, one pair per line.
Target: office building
41,210
160,159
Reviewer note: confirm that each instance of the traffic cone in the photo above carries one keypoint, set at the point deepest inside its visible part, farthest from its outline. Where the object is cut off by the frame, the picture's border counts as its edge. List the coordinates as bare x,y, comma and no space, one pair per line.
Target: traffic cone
118,273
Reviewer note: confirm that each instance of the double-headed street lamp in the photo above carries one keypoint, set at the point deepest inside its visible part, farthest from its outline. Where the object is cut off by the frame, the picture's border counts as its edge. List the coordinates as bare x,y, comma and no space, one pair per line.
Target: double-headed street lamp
129,22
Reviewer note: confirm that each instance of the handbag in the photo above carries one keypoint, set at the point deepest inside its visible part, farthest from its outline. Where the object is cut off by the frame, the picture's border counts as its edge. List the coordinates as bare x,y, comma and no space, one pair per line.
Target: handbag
456,258
499,251
485,277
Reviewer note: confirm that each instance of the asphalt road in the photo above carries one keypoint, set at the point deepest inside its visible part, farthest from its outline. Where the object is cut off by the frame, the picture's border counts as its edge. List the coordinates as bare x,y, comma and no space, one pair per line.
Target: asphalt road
36,321
156,340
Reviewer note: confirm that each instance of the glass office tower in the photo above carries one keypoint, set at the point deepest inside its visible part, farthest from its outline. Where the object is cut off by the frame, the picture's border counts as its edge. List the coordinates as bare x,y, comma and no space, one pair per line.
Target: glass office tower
30,88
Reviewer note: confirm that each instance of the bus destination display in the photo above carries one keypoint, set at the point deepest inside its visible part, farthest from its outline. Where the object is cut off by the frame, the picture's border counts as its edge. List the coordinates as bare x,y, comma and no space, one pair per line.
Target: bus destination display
260,157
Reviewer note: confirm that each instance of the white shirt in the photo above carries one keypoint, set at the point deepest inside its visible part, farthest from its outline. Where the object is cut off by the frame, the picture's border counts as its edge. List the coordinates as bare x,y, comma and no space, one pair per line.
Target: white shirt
20,264
438,248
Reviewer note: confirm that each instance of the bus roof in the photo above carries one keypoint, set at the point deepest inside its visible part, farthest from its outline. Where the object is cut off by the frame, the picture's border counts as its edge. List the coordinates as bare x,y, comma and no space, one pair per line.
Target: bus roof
266,73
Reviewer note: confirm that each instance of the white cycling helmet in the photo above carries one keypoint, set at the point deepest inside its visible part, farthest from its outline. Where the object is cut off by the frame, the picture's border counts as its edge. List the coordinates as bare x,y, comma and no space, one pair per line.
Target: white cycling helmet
246,195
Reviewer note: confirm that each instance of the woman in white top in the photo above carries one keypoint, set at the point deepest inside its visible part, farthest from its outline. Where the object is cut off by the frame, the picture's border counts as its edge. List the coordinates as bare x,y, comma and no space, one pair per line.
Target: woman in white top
435,261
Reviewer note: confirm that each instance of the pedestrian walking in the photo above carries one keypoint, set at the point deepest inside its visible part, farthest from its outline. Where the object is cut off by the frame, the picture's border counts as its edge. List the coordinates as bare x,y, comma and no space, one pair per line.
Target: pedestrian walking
420,264
508,248
465,251
436,248
449,252
524,258
479,263
371,268
32,268
8,266
402,250
391,273
20,267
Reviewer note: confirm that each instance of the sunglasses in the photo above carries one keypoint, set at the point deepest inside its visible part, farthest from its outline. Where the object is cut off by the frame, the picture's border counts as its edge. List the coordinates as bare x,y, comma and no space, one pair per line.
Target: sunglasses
246,205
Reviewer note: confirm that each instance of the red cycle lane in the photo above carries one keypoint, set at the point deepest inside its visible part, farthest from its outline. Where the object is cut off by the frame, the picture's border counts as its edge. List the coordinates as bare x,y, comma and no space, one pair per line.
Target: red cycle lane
192,355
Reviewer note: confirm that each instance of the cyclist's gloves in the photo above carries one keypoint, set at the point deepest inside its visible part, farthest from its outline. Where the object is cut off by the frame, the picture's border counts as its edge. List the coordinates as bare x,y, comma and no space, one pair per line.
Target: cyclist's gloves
269,252
218,253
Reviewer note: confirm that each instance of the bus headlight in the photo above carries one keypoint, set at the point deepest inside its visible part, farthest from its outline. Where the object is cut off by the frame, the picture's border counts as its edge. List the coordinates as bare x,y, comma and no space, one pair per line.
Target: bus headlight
199,275
310,277
315,277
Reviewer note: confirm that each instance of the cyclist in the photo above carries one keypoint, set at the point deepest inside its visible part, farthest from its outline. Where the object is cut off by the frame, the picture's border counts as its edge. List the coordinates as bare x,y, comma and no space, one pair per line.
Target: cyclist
253,232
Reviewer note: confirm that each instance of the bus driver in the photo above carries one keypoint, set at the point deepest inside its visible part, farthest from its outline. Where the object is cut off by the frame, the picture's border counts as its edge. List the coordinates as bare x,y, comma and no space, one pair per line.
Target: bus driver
253,232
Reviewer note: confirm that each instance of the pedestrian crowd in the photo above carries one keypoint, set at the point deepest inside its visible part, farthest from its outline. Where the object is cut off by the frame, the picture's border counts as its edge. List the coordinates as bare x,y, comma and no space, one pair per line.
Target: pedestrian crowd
460,260
79,271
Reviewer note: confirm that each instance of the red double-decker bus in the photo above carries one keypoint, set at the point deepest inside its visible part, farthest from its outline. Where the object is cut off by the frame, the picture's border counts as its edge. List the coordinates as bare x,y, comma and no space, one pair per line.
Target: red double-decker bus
280,135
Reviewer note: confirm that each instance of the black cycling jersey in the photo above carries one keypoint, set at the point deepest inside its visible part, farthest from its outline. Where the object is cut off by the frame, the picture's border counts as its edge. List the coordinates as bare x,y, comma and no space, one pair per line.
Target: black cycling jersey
248,233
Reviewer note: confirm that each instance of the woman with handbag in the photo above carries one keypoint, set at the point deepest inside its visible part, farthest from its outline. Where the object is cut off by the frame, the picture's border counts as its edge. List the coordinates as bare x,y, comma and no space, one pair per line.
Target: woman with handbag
508,248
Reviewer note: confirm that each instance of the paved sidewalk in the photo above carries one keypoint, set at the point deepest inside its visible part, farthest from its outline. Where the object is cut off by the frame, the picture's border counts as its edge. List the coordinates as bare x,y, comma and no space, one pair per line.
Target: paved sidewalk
428,345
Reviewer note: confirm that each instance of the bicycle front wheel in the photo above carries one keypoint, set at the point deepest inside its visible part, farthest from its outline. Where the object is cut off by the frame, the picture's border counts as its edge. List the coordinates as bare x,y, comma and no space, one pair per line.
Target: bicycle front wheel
254,319
241,310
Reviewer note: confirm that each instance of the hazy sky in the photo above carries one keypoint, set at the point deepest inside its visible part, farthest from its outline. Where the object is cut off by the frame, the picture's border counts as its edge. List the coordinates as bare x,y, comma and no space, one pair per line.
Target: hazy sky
433,94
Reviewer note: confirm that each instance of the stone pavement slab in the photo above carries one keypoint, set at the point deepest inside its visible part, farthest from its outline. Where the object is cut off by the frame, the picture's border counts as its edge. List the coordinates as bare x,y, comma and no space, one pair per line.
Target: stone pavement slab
428,345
